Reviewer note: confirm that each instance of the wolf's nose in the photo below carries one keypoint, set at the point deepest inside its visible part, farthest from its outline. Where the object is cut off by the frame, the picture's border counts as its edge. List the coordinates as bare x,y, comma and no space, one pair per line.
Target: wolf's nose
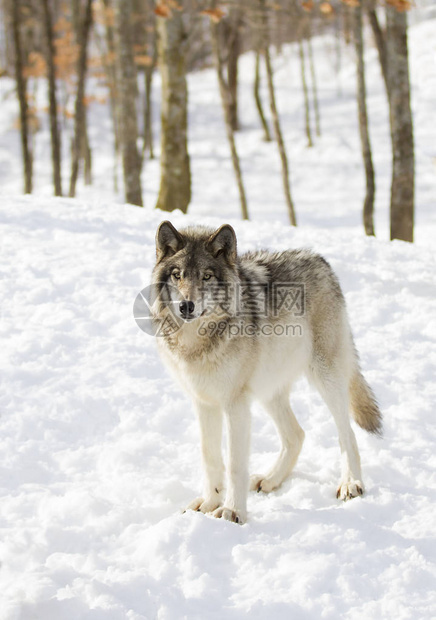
186,307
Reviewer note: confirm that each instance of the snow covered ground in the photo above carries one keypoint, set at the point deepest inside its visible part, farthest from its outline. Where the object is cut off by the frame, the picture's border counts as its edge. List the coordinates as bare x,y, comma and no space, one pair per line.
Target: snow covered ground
99,448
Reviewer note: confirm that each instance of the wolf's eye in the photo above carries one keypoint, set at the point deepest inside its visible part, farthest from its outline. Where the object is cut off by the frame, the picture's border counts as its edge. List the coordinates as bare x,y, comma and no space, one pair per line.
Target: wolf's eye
207,276
176,275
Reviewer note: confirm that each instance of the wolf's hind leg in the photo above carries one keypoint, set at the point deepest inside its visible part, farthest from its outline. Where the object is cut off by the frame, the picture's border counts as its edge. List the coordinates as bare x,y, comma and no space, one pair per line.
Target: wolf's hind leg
291,437
333,388
211,422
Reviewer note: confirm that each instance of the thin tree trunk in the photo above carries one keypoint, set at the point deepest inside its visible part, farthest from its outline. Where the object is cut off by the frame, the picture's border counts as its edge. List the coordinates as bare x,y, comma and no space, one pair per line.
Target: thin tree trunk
80,118
379,39
258,100
234,50
338,46
148,125
85,148
314,85
346,19
22,98
403,167
175,184
305,92
224,92
86,155
75,15
368,206
148,78
126,103
54,127
275,116
110,69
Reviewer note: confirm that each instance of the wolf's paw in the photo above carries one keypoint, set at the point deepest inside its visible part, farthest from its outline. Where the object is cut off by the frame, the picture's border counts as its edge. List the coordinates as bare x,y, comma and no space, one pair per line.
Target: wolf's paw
266,484
229,515
203,505
349,489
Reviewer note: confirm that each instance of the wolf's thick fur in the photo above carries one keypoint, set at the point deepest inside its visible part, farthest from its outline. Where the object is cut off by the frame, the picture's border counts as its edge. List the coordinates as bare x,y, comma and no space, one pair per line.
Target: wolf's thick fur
249,355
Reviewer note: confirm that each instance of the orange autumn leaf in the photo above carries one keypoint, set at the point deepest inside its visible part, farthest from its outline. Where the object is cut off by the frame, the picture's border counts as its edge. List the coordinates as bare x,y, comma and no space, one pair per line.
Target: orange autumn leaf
87,99
143,60
62,24
67,114
326,8
215,15
109,58
162,10
94,61
36,66
400,5
99,75
104,15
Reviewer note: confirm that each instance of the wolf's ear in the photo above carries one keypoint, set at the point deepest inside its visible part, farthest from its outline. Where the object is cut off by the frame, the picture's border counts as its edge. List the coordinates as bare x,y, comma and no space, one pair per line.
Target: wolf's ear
223,242
168,240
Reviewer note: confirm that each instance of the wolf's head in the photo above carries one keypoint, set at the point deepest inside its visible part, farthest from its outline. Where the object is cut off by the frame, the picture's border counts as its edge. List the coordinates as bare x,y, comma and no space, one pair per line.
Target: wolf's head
196,270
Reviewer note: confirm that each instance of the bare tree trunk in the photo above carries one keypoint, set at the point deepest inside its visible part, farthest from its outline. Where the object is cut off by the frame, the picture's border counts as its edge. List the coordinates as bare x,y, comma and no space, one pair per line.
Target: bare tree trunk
54,127
379,39
346,19
368,206
80,119
338,46
110,69
234,50
148,125
175,183
314,84
22,98
224,92
75,17
305,92
85,149
275,116
148,77
86,155
259,100
126,103
403,168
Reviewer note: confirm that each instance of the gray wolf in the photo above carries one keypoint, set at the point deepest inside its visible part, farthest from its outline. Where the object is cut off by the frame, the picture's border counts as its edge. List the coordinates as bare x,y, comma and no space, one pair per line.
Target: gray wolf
227,342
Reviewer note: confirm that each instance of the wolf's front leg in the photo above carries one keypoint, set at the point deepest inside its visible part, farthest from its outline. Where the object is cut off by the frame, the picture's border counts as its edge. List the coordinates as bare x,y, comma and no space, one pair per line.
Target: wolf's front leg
211,423
238,427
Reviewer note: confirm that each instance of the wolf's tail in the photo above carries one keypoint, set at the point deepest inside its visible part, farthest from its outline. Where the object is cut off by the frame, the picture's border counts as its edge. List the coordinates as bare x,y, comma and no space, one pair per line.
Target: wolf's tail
364,405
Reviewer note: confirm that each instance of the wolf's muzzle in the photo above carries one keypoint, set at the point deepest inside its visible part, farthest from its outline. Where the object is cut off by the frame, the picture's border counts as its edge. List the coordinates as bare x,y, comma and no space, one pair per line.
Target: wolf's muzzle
186,309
